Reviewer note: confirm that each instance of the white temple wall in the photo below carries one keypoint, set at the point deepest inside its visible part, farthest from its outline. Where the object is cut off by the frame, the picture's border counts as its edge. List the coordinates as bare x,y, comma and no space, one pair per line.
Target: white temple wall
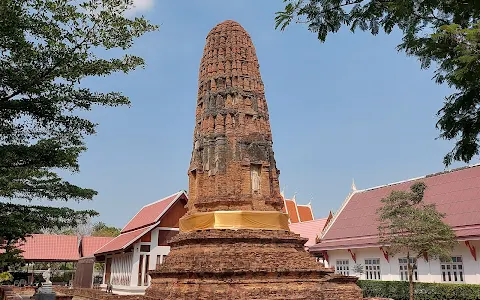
428,271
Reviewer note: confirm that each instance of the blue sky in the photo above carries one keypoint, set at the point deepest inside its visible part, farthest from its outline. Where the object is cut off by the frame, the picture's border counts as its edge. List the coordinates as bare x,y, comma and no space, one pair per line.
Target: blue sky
352,107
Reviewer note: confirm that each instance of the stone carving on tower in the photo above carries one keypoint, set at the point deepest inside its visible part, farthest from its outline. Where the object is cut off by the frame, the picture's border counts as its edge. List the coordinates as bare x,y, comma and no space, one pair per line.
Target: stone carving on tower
234,242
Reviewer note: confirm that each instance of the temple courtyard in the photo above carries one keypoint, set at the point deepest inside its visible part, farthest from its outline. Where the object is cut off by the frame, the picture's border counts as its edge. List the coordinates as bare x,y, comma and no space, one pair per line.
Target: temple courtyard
234,234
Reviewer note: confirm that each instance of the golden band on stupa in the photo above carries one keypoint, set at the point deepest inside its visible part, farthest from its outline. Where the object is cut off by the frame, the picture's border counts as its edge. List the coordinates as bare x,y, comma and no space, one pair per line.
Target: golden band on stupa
266,220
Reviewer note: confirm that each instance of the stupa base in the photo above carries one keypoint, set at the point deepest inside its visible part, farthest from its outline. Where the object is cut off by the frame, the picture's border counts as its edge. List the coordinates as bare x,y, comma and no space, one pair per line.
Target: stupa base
246,264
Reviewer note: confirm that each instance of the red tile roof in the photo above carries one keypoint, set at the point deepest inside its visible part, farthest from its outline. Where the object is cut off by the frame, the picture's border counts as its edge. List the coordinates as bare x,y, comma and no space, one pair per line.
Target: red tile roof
90,244
151,213
124,240
309,229
305,213
292,210
49,247
144,221
456,193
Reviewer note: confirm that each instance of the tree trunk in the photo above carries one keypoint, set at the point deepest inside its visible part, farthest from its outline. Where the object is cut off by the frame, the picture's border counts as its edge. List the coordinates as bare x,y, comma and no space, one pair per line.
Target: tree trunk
410,276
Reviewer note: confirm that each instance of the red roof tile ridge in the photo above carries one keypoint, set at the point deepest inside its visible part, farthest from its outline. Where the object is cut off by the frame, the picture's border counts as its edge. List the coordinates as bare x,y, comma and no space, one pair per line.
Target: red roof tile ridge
310,221
51,234
163,199
296,207
286,207
309,205
390,184
420,177
128,232
177,195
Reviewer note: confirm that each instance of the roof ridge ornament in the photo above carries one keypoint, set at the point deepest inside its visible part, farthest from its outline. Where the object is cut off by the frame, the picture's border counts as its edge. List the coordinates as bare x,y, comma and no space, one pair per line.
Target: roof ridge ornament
283,192
354,187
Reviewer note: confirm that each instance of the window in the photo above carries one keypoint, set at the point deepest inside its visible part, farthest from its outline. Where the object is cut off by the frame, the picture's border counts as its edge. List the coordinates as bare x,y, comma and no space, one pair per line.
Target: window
452,271
342,267
404,268
372,268
144,248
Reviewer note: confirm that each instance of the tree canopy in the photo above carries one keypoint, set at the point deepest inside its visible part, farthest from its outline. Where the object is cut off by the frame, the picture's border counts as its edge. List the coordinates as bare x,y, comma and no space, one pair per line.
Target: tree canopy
89,229
47,49
440,33
101,229
409,225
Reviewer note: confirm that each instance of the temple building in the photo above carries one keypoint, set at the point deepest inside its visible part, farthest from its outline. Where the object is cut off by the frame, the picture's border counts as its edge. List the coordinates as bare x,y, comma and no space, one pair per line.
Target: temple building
141,245
37,248
351,238
296,212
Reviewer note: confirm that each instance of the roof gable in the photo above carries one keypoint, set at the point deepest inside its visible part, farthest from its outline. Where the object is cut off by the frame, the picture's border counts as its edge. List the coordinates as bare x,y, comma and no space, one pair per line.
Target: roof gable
292,210
148,218
124,240
309,229
151,213
456,193
305,213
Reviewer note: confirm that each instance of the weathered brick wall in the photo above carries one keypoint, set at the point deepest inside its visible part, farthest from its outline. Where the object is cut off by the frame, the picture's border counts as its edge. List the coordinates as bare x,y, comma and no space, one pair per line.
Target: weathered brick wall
232,129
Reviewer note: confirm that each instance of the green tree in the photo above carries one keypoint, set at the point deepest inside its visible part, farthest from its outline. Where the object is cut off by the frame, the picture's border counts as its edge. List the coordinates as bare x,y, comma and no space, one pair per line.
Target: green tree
409,225
101,229
443,32
5,276
47,49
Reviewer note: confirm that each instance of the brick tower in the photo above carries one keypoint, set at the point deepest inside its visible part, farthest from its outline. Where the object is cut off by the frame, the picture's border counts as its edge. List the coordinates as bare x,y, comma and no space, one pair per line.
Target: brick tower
234,242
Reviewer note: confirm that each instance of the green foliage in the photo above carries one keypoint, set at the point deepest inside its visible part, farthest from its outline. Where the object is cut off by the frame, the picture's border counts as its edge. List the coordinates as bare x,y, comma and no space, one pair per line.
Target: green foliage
358,269
398,290
62,277
99,267
47,49
443,32
101,229
408,225
87,229
5,276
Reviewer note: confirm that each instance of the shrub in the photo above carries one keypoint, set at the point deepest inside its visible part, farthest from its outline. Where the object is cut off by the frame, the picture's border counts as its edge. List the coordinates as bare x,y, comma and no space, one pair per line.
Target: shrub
398,290
5,276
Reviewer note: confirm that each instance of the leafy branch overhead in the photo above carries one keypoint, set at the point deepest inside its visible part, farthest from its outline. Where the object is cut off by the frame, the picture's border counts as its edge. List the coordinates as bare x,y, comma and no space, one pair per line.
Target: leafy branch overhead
47,49
440,33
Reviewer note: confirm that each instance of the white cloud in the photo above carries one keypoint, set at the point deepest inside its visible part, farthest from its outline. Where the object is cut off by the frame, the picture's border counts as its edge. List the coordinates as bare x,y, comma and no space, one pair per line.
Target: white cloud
140,6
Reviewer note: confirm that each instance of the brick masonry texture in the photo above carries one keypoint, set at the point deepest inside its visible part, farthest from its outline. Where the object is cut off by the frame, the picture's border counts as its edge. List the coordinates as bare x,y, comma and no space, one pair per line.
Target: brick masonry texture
233,168
232,131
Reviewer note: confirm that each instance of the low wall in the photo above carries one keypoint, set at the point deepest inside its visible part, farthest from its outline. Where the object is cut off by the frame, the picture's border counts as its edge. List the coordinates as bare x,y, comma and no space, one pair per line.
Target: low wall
7,293
96,294
13,292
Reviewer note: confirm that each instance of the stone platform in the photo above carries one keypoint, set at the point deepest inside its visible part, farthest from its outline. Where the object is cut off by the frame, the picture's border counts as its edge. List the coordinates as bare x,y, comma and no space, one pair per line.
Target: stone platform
246,264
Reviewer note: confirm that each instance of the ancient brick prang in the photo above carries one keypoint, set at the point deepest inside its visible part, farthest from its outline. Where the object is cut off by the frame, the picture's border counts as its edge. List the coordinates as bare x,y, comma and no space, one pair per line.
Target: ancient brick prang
233,168
232,165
